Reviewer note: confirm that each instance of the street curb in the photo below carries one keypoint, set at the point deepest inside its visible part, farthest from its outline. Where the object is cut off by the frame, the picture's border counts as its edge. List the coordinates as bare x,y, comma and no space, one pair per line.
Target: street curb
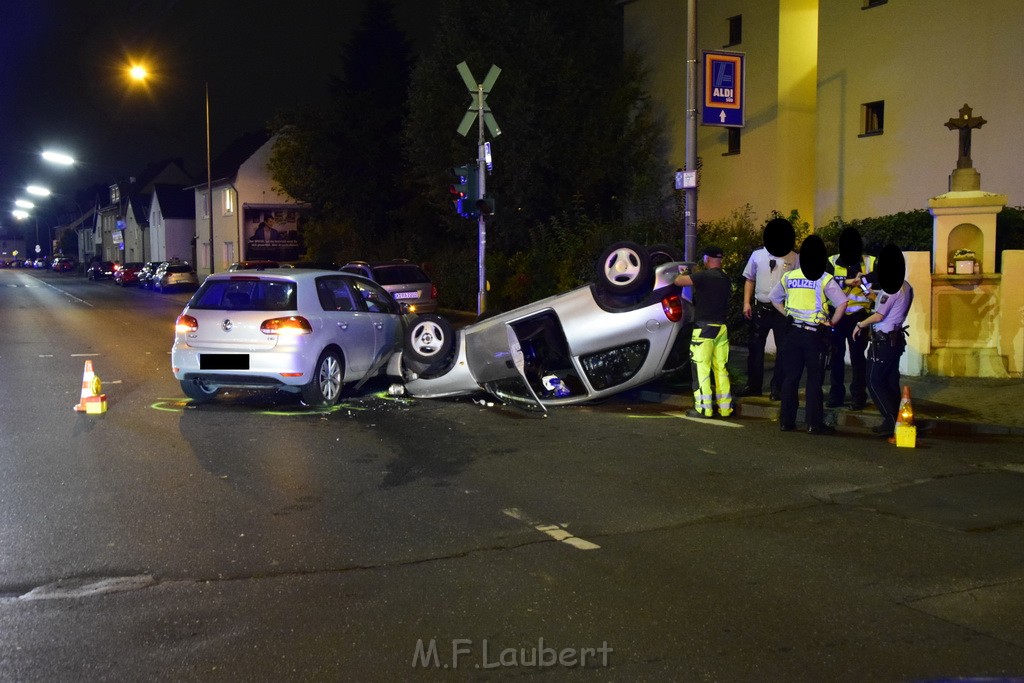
763,408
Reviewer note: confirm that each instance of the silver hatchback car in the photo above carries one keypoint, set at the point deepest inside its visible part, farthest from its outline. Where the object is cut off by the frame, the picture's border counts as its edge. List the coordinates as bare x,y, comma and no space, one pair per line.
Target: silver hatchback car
403,279
300,331
627,328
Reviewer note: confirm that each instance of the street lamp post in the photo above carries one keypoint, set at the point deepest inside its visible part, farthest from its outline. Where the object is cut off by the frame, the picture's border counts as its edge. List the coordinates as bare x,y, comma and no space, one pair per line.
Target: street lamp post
209,175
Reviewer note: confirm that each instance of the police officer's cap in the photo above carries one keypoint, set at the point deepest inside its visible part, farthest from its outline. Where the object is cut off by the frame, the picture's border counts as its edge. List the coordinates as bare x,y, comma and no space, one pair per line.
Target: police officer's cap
892,269
712,252
813,257
851,247
779,237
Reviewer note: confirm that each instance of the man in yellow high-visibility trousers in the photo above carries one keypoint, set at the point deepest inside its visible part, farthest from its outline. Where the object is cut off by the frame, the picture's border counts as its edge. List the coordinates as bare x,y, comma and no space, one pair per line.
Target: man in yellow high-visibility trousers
709,346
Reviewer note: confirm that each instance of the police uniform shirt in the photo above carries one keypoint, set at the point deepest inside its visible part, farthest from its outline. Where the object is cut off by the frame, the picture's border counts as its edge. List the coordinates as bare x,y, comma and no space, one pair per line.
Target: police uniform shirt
893,308
711,290
833,292
759,270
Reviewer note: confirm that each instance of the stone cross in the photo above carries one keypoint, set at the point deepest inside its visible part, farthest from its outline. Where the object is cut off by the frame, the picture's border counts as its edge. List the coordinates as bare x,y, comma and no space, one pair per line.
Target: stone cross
964,124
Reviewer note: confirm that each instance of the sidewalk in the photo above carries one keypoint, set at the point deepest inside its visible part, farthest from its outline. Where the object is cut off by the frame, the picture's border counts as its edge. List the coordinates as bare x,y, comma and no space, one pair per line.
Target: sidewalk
942,405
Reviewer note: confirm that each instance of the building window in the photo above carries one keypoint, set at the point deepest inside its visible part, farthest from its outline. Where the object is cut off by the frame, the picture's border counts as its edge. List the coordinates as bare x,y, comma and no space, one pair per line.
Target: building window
229,203
115,194
732,141
735,30
872,118
206,205
868,4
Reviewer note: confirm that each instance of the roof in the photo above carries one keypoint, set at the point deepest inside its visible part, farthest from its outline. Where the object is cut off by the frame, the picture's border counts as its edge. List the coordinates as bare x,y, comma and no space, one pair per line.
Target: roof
176,201
226,165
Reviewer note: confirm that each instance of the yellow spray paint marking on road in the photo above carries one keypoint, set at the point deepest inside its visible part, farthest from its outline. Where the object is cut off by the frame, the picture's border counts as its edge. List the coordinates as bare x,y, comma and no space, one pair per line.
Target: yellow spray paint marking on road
556,531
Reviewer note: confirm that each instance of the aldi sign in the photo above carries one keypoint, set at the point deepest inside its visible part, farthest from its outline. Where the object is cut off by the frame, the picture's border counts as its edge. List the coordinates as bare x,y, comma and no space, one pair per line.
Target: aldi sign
724,78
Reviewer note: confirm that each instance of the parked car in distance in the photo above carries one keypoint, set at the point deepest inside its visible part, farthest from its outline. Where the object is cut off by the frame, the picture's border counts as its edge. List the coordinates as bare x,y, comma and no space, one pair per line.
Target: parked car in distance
100,270
252,265
315,265
147,272
63,264
127,273
627,328
170,275
40,263
301,331
405,280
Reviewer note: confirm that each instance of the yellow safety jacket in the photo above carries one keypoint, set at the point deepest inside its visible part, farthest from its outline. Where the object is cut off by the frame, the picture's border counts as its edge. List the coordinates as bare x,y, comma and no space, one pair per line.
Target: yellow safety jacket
858,299
805,299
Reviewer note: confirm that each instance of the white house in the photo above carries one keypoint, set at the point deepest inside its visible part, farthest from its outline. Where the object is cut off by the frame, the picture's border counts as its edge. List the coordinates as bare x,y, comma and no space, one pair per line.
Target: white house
172,223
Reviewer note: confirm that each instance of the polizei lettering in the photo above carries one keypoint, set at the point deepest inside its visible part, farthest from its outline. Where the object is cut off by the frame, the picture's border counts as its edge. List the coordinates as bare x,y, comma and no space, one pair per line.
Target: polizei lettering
801,283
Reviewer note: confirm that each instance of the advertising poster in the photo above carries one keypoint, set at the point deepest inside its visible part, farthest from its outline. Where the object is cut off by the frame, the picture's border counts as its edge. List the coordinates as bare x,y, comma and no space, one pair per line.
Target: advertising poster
273,233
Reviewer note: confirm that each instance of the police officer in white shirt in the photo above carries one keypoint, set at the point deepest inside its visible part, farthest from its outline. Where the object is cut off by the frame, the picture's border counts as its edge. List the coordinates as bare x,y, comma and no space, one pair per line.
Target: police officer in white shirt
764,270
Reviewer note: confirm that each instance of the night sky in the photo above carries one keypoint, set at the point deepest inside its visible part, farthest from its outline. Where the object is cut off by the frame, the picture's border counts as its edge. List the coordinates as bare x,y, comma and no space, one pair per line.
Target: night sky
62,81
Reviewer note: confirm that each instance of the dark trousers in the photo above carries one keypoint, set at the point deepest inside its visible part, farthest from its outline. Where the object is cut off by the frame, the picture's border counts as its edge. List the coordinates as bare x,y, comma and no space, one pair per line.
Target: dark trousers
884,379
765,318
804,349
842,335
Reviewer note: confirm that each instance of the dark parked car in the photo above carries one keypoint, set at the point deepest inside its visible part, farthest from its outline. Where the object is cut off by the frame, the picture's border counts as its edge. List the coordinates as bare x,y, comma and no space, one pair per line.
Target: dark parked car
405,281
127,273
100,270
63,264
147,272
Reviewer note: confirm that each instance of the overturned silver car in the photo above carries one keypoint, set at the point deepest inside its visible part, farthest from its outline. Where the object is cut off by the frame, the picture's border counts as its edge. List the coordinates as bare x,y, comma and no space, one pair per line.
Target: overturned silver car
627,328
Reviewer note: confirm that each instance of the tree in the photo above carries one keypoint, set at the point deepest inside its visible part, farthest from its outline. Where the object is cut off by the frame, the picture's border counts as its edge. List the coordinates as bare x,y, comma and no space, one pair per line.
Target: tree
344,157
576,123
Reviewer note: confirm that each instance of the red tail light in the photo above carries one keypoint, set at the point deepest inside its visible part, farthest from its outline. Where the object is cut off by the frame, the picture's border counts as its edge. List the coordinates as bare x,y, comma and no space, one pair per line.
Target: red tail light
291,326
673,307
433,291
185,324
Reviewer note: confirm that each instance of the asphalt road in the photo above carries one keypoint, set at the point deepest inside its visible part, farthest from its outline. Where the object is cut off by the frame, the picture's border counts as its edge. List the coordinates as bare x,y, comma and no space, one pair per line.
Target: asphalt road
252,539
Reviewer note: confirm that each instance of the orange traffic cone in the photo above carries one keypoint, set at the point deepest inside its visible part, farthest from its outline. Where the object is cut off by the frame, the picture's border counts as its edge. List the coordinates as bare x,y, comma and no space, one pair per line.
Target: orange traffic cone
906,432
91,401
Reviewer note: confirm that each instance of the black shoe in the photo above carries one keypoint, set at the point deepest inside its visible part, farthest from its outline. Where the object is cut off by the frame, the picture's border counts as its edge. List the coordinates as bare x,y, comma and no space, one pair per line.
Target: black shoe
747,391
775,396
858,406
786,427
696,413
834,404
822,430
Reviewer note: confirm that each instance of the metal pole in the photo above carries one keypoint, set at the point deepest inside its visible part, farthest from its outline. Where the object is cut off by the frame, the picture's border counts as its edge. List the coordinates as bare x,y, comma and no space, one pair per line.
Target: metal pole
690,215
209,177
481,170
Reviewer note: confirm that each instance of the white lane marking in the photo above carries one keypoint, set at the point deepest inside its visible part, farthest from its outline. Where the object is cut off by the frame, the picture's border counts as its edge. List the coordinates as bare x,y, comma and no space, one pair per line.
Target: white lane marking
707,420
70,296
83,355
555,531
46,355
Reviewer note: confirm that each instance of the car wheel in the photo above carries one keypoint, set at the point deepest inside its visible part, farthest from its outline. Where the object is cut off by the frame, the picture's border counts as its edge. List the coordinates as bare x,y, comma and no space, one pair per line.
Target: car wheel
625,268
660,254
428,339
198,390
325,388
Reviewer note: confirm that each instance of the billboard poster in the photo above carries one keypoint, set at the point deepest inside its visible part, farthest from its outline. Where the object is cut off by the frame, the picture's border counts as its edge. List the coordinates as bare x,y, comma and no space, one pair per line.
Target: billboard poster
273,233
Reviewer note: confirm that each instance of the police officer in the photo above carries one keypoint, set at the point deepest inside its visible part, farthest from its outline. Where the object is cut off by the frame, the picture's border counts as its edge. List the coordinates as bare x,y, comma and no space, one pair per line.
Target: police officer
764,269
803,296
888,341
848,264
709,345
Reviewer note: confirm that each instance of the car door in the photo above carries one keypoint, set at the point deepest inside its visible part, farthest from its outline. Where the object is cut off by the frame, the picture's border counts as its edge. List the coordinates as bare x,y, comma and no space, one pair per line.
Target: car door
385,314
348,324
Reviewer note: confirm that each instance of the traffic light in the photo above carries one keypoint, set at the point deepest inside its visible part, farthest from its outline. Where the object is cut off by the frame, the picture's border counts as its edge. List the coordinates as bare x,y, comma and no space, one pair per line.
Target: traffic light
464,191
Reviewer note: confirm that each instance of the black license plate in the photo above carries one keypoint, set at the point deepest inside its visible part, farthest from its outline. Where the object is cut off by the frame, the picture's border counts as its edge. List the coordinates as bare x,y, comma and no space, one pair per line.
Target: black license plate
223,361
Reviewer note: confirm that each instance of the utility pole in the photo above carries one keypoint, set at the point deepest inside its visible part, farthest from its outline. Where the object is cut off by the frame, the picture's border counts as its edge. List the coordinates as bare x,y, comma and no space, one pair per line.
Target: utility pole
481,112
690,196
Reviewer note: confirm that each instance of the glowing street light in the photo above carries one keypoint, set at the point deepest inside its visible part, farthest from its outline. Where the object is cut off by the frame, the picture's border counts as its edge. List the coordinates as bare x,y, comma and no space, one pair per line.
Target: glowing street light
38,190
24,204
20,214
138,72
58,158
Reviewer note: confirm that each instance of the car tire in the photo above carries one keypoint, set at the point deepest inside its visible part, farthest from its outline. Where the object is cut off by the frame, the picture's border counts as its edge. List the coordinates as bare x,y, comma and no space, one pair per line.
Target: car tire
324,390
198,390
428,339
660,254
625,268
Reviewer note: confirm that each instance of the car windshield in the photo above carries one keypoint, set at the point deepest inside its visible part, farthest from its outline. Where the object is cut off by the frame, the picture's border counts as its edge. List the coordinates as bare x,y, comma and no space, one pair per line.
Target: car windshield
245,295
402,274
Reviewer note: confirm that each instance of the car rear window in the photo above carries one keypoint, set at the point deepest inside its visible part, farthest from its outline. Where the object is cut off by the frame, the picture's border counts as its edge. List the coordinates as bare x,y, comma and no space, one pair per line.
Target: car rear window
245,295
179,269
399,275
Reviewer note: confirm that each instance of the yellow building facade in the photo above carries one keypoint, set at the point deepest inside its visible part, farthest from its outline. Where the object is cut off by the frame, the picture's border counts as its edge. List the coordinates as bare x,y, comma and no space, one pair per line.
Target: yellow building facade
845,100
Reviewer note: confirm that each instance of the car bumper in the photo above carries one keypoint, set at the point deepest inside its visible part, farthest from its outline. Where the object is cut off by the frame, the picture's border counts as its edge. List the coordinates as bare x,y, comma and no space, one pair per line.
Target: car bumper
291,365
